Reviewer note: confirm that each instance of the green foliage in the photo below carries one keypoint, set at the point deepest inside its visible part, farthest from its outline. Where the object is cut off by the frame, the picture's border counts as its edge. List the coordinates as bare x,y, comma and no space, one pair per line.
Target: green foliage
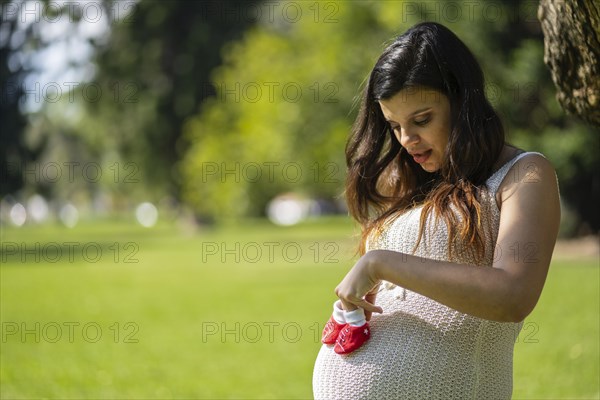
17,42
150,70
274,116
157,63
283,99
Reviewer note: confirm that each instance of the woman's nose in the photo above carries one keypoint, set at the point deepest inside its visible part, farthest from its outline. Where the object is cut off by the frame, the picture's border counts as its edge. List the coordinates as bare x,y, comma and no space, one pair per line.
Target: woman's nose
408,138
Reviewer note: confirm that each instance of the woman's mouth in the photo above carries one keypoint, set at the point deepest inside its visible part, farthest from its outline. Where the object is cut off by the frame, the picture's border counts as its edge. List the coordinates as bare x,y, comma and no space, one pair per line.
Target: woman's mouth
421,157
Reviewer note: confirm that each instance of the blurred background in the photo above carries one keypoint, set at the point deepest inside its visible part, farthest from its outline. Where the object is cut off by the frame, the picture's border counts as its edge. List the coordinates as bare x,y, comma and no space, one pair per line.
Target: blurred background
171,187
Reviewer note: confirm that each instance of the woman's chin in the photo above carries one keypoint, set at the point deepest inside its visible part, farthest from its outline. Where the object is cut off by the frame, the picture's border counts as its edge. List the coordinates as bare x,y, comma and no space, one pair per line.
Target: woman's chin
430,167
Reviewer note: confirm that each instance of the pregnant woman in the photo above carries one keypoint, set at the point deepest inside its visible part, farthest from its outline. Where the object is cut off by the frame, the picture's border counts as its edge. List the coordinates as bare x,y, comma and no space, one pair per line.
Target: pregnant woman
458,231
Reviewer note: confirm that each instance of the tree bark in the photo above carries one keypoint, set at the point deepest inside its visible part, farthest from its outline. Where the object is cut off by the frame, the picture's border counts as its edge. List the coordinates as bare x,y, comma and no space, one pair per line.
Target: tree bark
572,52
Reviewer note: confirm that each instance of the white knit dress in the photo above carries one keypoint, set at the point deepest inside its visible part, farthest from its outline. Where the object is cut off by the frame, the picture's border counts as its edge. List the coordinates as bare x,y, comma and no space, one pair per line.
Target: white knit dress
419,348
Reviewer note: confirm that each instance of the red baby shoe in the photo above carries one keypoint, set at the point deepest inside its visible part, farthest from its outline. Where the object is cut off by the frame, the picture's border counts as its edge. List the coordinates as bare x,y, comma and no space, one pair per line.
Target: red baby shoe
351,338
331,331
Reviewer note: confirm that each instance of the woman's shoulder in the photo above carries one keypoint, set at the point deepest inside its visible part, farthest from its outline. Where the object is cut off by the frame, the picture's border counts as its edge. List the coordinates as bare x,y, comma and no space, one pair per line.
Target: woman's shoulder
512,160
522,167
509,154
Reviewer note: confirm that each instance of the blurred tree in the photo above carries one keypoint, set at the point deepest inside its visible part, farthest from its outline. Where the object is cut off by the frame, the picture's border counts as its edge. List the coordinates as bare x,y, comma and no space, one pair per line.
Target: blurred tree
156,66
572,52
152,69
279,120
14,152
37,123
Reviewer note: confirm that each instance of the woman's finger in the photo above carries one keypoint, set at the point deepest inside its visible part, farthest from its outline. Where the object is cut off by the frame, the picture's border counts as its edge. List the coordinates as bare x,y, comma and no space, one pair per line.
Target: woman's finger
371,299
368,307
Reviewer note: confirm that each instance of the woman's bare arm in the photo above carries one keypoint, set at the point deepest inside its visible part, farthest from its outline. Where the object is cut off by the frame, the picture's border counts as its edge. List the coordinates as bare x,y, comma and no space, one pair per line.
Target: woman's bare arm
529,220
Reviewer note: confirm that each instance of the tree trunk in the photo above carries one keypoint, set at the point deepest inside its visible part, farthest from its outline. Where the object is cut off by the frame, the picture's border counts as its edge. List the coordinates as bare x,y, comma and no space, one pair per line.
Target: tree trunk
572,52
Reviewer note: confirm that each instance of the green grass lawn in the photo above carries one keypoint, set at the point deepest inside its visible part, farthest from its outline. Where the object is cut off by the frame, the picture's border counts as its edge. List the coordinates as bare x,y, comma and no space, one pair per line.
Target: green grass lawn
110,310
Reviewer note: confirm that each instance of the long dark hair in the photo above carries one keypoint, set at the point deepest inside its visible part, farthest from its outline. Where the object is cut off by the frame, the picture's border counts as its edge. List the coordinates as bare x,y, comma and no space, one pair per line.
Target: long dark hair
383,180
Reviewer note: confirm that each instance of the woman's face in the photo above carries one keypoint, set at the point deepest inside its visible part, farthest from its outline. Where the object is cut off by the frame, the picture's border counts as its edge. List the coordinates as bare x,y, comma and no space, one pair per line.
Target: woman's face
420,118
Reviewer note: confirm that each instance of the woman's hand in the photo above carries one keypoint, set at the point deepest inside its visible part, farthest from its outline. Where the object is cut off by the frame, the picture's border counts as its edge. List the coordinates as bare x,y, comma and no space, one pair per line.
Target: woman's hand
359,287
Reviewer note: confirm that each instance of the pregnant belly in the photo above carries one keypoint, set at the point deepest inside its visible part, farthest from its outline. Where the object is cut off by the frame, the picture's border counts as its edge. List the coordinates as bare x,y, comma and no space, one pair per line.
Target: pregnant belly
405,358
420,349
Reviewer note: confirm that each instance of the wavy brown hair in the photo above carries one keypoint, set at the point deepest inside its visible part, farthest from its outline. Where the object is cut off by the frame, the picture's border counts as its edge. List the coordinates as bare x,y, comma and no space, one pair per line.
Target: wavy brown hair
383,179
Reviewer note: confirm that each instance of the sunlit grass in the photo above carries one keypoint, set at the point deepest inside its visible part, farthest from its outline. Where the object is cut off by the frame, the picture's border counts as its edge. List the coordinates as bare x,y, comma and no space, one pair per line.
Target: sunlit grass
189,320
557,355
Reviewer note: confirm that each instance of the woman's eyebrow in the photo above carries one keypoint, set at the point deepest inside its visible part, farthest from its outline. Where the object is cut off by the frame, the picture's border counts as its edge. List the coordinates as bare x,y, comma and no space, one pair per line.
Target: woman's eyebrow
420,111
413,114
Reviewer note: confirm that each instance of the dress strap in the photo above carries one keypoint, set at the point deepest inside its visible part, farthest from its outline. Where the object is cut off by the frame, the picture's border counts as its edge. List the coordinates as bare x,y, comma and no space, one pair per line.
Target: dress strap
494,181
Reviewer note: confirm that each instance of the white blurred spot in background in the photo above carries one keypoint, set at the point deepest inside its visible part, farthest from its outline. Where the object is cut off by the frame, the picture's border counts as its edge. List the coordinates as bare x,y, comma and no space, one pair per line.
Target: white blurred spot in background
146,214
288,209
18,214
69,215
37,208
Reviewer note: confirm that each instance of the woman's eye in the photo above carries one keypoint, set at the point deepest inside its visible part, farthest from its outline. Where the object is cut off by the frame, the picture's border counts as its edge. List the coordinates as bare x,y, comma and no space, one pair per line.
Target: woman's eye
423,121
